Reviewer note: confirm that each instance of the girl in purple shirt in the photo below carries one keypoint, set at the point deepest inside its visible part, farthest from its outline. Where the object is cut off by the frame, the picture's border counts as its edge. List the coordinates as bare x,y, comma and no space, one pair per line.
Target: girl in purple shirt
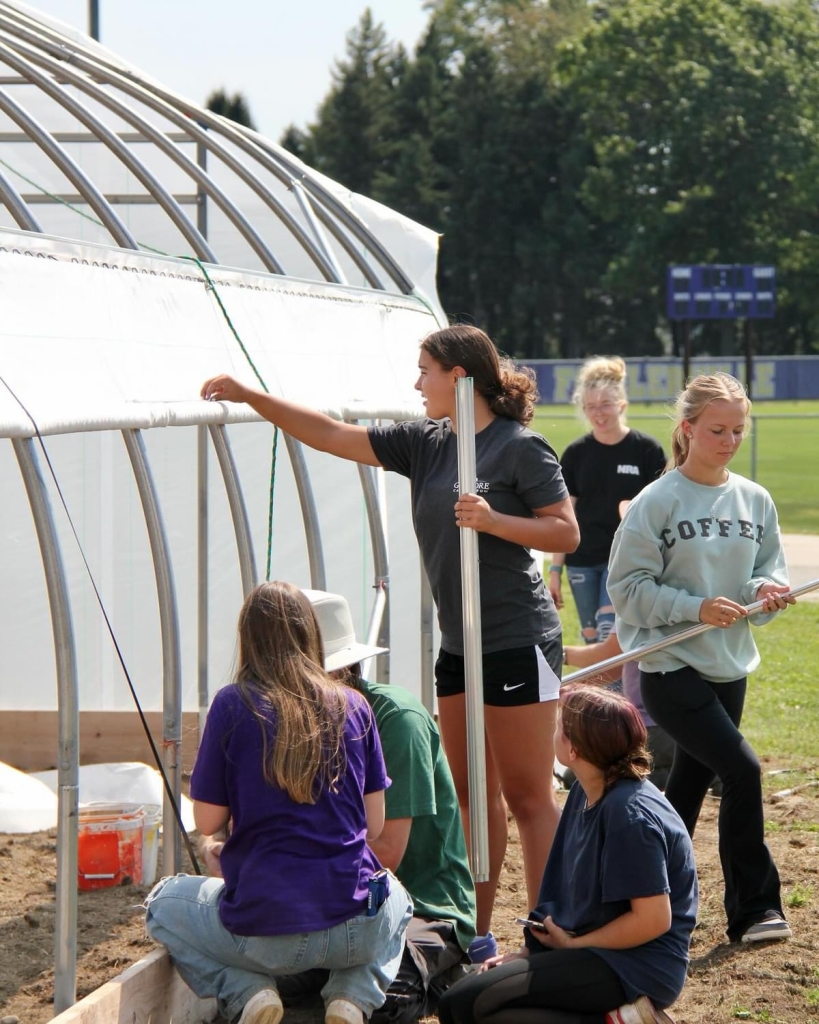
293,760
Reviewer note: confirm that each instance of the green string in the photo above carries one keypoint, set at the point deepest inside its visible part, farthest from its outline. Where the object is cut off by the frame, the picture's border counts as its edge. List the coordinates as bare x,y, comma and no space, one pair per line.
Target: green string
260,379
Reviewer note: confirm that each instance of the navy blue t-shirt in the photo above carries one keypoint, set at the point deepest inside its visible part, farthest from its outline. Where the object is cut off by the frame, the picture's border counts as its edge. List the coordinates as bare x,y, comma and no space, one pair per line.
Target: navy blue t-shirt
629,845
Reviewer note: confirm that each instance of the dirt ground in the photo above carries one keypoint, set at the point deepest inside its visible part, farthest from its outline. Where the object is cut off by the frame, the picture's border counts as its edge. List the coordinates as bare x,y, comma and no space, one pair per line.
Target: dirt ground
774,982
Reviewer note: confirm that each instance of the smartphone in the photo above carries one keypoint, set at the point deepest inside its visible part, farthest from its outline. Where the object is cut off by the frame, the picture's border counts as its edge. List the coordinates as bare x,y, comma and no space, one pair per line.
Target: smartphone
527,923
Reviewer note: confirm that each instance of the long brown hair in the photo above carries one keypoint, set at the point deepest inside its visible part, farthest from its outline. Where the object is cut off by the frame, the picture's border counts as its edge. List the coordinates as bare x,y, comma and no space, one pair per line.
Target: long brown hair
281,679
510,391
700,392
606,730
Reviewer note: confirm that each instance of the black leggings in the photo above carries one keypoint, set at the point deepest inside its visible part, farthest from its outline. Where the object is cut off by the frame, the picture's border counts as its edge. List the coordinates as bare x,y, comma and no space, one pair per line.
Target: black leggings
703,719
559,986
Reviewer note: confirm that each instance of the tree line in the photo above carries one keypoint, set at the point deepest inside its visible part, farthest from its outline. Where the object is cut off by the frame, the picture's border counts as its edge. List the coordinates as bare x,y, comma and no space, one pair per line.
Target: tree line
569,150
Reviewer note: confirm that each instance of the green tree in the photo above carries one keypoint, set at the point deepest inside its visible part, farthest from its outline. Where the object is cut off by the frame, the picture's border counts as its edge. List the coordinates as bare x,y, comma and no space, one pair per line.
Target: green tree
700,115
353,136
234,107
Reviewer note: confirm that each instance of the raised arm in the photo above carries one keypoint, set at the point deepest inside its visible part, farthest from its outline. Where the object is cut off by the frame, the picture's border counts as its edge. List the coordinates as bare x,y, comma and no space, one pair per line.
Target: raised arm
346,440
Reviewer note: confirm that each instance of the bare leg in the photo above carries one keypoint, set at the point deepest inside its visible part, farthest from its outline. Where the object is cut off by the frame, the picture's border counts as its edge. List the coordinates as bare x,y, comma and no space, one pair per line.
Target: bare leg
522,743
452,722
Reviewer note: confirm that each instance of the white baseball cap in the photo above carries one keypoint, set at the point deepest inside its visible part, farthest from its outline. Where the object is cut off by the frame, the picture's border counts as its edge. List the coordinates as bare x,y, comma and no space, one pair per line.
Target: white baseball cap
341,649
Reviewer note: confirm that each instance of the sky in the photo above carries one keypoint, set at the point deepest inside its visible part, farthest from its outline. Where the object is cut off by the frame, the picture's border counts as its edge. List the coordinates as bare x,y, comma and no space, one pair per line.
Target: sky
278,53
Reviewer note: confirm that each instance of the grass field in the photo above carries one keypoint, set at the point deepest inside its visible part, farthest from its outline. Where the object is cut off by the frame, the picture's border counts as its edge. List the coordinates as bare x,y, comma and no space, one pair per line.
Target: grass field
785,436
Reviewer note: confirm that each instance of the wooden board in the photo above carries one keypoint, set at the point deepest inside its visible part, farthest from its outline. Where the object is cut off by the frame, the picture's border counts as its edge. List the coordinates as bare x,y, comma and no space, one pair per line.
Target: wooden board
28,739
149,992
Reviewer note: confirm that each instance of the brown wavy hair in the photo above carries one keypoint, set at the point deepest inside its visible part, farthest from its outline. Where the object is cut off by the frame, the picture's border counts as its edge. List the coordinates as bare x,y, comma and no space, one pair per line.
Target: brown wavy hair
700,392
606,730
281,680
510,390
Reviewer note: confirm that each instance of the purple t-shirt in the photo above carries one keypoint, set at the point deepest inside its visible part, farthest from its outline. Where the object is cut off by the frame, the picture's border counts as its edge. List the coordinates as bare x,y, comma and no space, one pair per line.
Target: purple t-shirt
288,867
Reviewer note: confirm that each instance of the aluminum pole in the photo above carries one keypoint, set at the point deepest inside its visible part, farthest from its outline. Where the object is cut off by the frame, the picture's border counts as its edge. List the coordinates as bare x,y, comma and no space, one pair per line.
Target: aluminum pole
202,575
427,645
671,639
169,628
375,504
238,509
68,719
473,661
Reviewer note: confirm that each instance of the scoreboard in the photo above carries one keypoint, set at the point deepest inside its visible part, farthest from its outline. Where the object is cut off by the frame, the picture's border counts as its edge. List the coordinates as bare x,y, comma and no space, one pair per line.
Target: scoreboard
720,291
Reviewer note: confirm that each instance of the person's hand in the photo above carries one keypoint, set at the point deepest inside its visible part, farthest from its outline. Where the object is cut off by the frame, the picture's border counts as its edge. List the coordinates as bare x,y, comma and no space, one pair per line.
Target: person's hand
504,958
555,589
475,513
223,389
552,936
721,611
776,597
210,850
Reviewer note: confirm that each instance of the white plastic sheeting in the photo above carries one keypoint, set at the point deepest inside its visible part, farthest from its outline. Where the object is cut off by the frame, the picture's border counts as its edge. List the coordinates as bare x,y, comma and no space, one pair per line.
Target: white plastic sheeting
27,804
95,339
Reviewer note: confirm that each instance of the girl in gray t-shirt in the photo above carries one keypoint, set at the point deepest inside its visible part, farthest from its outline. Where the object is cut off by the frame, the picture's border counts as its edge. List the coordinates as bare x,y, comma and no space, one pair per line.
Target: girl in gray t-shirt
522,504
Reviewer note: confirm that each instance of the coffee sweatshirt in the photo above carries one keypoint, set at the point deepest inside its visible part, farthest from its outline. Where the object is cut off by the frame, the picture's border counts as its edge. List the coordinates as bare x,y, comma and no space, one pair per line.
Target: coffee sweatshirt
681,542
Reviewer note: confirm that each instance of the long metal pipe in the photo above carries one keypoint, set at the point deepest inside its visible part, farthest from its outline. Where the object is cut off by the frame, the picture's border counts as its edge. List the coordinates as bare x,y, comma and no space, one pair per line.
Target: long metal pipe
68,724
17,206
473,652
104,134
671,639
169,628
290,167
202,576
320,238
309,514
87,189
238,509
378,627
427,644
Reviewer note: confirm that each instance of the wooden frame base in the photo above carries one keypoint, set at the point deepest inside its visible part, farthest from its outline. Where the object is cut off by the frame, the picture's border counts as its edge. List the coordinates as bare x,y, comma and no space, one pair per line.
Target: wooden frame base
150,990
28,739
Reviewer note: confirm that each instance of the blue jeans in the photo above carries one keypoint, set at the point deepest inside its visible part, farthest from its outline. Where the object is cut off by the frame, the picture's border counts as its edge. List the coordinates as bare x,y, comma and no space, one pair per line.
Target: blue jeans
594,607
363,954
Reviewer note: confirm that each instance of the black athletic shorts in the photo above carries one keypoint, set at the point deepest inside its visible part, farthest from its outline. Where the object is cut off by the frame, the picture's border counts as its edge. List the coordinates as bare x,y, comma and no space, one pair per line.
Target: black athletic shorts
511,678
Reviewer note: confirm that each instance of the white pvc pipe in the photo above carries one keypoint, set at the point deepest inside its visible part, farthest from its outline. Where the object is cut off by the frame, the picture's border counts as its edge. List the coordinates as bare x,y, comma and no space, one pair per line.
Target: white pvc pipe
473,660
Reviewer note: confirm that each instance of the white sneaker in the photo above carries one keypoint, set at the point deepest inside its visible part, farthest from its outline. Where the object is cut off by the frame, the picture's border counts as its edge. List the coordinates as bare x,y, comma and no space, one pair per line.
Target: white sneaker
643,1011
342,1011
263,1008
772,926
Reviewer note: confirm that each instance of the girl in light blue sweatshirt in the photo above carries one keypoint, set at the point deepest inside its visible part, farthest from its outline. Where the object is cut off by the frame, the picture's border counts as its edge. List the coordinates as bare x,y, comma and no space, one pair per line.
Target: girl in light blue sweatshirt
697,545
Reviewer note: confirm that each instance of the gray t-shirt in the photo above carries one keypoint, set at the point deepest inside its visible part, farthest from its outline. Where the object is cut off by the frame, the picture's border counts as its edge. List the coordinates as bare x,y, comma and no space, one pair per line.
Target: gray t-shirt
517,471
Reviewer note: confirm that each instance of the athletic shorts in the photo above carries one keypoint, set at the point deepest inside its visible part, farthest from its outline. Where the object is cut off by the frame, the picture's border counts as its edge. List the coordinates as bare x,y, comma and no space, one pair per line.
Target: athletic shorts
511,678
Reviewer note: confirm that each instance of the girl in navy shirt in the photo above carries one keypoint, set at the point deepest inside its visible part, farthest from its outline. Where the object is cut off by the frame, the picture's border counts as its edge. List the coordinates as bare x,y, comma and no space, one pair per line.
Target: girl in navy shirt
618,899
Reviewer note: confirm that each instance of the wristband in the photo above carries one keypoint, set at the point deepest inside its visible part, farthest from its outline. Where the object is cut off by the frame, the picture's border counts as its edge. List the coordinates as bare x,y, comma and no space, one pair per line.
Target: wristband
556,568
565,656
